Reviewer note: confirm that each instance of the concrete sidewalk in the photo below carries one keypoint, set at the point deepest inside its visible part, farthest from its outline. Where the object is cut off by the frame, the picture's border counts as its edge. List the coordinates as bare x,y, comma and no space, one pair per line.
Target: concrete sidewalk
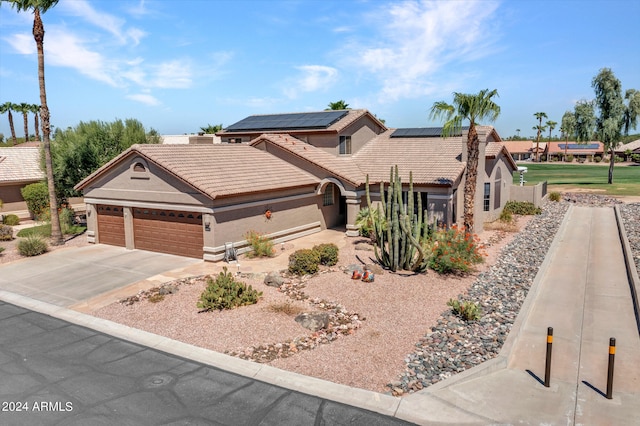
583,292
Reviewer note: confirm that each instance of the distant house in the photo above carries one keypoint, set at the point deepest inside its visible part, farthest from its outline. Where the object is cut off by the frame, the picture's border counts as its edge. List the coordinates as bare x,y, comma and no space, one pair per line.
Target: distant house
199,139
19,167
631,147
585,151
520,150
284,175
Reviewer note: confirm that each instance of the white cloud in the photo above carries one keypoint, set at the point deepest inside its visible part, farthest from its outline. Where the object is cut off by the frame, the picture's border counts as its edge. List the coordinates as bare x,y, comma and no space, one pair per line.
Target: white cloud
312,78
106,21
172,75
22,43
144,98
419,38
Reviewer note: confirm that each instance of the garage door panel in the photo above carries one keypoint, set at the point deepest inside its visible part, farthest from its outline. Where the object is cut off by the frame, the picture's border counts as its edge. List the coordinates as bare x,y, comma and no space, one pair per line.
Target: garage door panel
111,225
168,231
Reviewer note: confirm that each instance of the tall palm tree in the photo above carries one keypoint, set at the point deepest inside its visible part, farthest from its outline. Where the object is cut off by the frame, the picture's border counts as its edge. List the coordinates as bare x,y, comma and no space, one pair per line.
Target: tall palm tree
38,7
6,108
540,128
551,125
471,107
25,108
35,109
337,105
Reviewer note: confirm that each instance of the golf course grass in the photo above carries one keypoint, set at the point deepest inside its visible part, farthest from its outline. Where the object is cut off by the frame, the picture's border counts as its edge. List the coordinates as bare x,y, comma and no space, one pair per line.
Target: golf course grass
626,178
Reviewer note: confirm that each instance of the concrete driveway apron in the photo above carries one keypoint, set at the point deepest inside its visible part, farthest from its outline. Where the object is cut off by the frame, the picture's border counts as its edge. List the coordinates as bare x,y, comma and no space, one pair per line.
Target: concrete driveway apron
67,276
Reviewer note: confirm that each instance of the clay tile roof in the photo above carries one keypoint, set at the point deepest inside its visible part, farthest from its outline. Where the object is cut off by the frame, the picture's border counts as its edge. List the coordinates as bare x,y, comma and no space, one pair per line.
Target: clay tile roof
635,145
431,160
220,170
519,146
576,147
20,164
343,167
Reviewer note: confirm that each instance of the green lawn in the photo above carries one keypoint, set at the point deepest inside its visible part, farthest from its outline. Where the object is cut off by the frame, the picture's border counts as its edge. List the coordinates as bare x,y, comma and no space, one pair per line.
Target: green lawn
45,230
626,179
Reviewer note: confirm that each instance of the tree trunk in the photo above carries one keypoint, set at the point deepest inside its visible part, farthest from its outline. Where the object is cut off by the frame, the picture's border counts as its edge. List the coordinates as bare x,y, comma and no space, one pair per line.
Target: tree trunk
13,130
471,178
612,161
36,124
38,35
25,117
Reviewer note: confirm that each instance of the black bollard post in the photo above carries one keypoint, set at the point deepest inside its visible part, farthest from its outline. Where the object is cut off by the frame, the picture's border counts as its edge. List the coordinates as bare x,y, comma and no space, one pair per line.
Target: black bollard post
547,368
612,358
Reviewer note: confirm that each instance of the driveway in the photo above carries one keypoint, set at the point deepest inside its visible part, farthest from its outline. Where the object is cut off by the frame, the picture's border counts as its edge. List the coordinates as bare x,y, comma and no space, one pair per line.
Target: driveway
68,276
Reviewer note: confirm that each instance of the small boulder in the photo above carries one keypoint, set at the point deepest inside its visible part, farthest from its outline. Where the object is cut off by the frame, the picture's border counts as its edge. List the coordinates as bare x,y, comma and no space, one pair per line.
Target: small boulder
364,247
273,279
313,321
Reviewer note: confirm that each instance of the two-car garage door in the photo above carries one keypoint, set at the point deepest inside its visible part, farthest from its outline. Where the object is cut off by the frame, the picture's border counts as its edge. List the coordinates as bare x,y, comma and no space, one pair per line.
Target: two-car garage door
165,231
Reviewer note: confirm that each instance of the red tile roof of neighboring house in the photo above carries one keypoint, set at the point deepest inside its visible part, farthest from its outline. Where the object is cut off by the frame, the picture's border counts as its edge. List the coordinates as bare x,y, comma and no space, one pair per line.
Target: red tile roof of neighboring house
20,164
218,170
519,147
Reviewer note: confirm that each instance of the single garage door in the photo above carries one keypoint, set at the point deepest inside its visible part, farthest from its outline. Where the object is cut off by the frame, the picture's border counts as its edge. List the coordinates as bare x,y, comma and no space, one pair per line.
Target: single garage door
110,225
168,231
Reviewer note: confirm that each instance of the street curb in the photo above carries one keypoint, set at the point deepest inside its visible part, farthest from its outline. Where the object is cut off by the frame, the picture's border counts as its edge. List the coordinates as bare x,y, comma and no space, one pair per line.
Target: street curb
632,272
368,400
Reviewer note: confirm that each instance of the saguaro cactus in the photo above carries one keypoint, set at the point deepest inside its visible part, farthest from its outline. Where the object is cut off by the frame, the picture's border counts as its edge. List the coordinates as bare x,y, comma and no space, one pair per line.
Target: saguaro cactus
399,227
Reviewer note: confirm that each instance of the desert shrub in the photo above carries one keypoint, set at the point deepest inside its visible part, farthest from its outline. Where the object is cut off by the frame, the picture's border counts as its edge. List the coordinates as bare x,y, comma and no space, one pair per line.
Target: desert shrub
33,245
36,195
555,196
522,208
11,220
618,159
327,254
226,293
455,251
365,224
505,216
1,249
6,233
597,159
66,216
468,311
261,246
303,262
569,158
634,157
286,308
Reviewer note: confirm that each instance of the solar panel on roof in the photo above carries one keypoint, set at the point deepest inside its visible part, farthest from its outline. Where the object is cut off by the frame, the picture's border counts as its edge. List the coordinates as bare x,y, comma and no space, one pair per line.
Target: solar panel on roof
309,120
579,146
420,132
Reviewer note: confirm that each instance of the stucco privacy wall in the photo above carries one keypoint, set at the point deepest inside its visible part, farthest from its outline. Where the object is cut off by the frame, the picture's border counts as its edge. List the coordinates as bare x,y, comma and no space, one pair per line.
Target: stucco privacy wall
498,174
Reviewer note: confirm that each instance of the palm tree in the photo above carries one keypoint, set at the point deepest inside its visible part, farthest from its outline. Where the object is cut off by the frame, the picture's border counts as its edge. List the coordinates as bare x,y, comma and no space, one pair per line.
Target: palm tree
38,7
6,108
35,109
211,129
25,108
540,128
471,107
337,105
551,125
518,132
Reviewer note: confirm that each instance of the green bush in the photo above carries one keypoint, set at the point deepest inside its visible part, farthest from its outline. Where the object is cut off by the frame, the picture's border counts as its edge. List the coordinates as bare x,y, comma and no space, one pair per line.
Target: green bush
522,208
506,216
569,158
468,311
618,159
454,251
1,249
227,293
33,245
365,224
11,220
597,159
555,196
66,216
303,262
327,253
634,157
36,196
261,246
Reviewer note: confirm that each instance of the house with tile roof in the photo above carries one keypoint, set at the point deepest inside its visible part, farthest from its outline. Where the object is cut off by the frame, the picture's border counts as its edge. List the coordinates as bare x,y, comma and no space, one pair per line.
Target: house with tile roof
630,147
584,151
284,175
19,167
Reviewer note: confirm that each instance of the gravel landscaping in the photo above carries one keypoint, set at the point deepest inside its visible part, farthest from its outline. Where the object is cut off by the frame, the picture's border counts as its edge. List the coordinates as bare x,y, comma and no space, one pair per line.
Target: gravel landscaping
396,335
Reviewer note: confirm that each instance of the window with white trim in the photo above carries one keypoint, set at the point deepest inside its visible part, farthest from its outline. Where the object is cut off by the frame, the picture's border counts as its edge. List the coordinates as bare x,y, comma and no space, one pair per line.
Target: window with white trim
487,196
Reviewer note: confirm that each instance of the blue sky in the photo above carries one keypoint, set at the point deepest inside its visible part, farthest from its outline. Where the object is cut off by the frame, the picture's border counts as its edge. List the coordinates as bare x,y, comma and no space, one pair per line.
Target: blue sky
179,65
